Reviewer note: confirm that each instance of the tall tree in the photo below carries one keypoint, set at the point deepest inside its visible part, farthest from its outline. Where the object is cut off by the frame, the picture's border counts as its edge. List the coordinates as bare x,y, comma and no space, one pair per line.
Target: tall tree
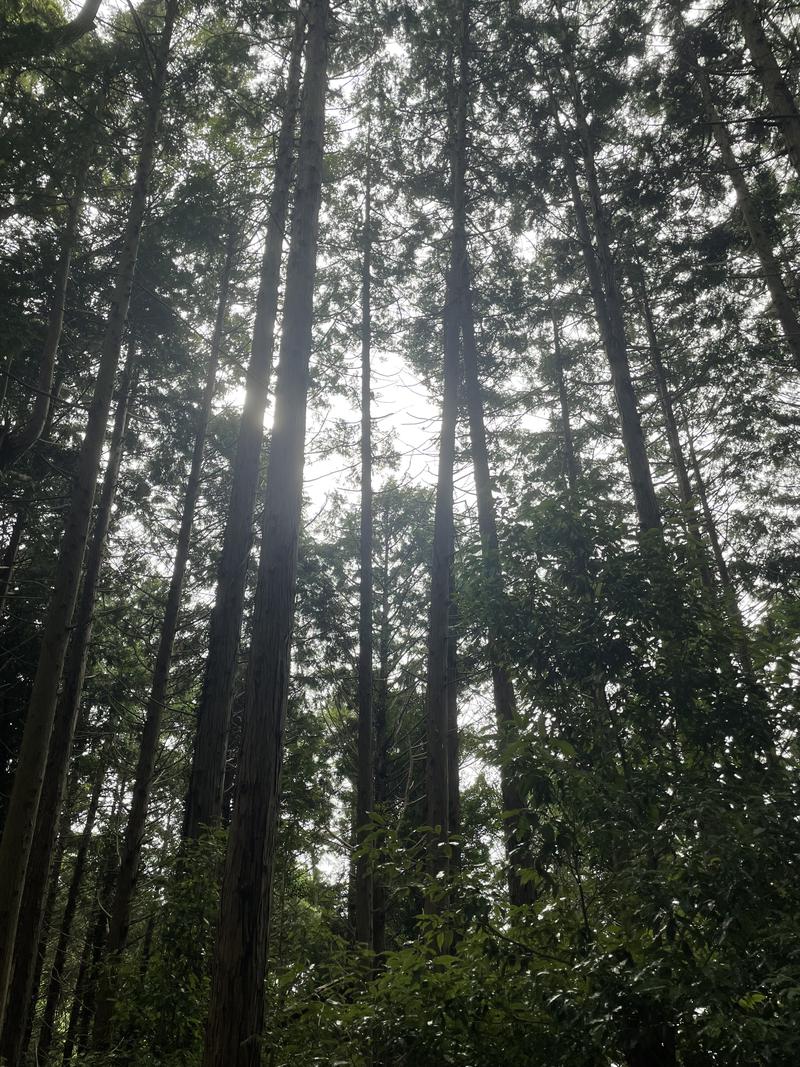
119,920
505,703
609,295
365,774
24,801
40,866
204,804
237,997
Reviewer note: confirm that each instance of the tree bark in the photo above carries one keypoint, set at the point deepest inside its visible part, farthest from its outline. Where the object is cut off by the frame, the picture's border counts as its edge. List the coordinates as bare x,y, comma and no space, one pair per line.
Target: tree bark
15,441
438,671
781,101
235,1020
503,689
47,926
204,803
24,800
82,1010
781,302
607,297
679,468
55,982
728,588
382,737
10,554
39,873
365,791
119,920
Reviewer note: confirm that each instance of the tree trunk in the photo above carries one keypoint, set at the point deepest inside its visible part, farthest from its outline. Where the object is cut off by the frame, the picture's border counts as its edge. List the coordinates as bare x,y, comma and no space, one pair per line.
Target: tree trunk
204,803
365,792
571,468
41,948
55,983
781,101
438,672
148,749
381,739
728,588
10,554
608,304
781,302
39,874
82,1007
15,442
504,697
679,468
237,999
24,800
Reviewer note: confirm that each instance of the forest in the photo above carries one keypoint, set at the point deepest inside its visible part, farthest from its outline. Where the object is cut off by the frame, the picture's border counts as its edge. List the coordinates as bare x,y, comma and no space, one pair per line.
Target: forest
399,555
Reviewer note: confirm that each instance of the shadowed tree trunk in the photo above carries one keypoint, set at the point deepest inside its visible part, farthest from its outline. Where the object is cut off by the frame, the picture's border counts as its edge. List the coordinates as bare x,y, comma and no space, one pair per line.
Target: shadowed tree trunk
204,804
781,101
365,788
10,554
15,441
55,983
119,920
235,1019
24,800
39,873
83,1001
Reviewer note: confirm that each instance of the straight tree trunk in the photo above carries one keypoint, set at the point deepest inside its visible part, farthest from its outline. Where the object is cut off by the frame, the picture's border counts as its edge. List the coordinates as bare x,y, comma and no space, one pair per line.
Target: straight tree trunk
612,334
781,101
77,998
679,468
39,873
504,697
440,668
207,778
47,926
453,736
55,983
119,920
10,554
24,800
728,588
571,468
15,442
365,790
781,301
82,1010
611,321
438,665
382,739
235,1019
